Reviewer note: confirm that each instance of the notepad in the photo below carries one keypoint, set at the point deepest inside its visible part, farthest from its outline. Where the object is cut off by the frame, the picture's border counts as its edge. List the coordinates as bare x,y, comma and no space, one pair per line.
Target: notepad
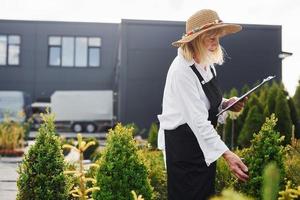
246,94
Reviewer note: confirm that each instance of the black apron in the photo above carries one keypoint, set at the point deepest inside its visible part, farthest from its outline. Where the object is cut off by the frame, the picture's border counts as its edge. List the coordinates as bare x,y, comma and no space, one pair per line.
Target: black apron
189,178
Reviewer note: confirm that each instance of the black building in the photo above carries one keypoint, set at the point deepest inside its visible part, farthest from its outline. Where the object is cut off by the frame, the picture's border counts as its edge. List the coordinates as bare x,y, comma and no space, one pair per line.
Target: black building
132,58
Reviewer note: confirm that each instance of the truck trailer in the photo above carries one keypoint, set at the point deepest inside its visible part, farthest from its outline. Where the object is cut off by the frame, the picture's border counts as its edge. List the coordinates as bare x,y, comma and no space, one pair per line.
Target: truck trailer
83,111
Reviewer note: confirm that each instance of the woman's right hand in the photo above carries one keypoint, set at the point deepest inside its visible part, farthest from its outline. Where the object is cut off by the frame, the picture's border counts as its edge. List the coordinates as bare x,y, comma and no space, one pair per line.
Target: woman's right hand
237,167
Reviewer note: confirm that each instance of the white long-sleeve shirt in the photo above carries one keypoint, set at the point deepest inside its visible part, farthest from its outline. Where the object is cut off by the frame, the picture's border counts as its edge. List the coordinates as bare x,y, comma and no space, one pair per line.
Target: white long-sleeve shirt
184,101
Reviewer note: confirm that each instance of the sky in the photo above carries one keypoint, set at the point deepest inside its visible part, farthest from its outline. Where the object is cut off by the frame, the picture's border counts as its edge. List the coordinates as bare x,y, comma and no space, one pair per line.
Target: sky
271,12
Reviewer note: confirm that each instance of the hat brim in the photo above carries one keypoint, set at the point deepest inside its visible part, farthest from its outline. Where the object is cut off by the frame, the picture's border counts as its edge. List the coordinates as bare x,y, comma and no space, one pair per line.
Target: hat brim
226,30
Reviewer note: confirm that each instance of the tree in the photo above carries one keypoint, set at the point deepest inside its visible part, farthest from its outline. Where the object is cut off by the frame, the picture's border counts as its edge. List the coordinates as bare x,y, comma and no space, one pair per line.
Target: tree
296,98
152,136
271,97
250,120
121,169
252,124
282,112
41,173
294,117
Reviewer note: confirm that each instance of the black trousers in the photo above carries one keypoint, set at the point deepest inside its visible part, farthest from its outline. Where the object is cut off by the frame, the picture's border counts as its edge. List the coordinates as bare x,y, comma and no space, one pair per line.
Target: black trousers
189,178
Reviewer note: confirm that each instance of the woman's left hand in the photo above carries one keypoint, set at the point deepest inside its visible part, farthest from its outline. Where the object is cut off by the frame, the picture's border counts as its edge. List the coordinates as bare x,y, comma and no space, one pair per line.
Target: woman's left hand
238,106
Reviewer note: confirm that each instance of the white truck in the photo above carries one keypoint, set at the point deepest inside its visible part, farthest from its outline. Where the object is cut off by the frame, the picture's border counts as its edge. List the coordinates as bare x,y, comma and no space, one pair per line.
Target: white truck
83,111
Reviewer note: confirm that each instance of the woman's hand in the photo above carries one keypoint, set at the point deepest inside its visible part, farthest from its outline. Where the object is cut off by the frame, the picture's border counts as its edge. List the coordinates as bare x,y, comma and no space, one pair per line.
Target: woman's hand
236,166
238,106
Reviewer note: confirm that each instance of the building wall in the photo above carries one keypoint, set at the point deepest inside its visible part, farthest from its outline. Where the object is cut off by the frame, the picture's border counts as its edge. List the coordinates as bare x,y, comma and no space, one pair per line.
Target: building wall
40,80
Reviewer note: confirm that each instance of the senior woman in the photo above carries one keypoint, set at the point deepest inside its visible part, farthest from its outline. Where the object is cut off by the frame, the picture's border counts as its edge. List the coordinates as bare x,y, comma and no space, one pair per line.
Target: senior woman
191,101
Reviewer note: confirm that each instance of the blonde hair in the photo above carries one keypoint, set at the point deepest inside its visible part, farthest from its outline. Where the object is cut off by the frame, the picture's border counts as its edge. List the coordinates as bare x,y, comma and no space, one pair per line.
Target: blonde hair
206,57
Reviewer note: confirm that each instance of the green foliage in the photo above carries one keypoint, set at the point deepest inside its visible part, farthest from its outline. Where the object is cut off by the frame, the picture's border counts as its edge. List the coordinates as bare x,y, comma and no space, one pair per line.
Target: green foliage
11,135
230,194
253,123
121,168
296,98
269,188
282,111
96,154
289,193
240,122
271,180
41,173
271,99
81,189
224,178
294,117
27,125
136,130
152,137
292,162
157,173
263,93
265,148
268,99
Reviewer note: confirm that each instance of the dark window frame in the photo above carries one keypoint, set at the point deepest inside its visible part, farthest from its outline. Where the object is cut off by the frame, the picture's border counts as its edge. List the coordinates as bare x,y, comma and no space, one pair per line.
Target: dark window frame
7,50
74,52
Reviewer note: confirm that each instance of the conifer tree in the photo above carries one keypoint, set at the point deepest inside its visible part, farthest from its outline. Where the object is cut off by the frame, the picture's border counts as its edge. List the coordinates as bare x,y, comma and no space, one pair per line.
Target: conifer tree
296,98
41,173
253,123
282,112
152,136
294,117
271,99
263,93
121,169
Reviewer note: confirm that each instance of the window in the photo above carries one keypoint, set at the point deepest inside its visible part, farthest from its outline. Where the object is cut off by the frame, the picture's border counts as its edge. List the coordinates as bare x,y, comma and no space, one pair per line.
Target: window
81,52
10,49
74,51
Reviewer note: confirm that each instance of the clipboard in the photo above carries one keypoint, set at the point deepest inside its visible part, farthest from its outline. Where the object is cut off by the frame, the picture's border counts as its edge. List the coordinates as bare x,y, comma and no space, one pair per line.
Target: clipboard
246,94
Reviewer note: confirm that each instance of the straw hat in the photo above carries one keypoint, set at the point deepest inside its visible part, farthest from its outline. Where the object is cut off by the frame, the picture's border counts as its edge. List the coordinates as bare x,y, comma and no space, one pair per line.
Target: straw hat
202,21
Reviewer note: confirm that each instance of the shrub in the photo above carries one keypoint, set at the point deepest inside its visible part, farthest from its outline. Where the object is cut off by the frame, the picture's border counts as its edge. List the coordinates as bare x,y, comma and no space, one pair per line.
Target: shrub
41,173
121,169
292,162
224,178
265,148
136,131
157,173
11,135
152,137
